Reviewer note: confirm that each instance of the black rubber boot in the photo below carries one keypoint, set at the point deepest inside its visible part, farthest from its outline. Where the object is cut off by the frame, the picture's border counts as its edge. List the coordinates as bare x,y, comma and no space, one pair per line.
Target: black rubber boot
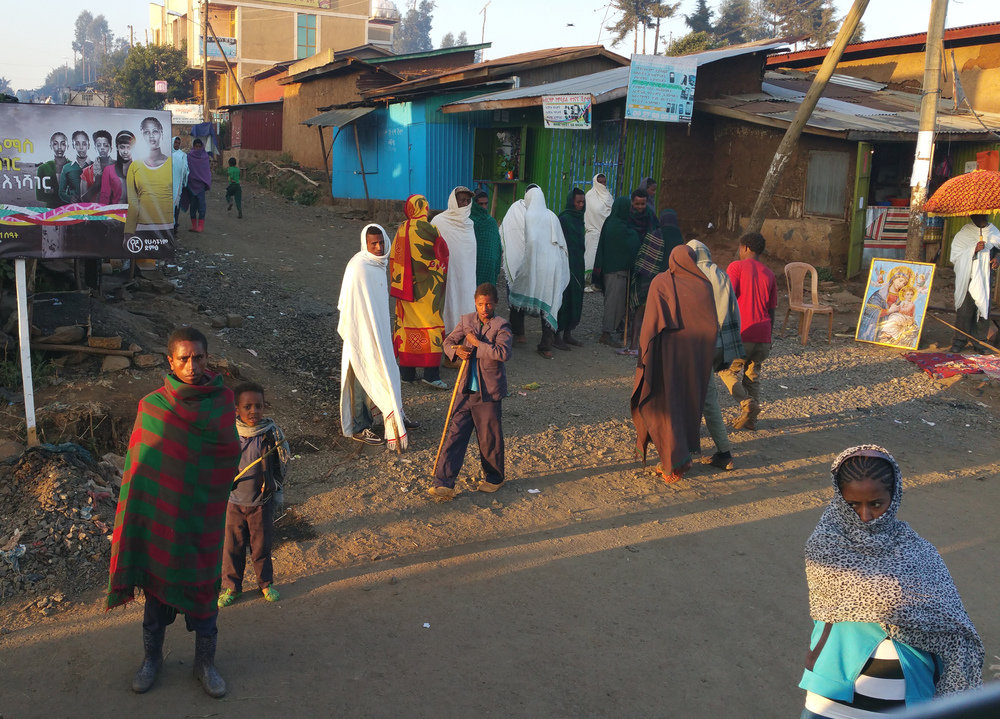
204,665
152,644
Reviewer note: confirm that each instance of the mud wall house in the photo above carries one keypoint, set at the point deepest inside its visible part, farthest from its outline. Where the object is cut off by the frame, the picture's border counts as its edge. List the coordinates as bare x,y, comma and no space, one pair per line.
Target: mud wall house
516,141
845,193
408,145
898,62
256,34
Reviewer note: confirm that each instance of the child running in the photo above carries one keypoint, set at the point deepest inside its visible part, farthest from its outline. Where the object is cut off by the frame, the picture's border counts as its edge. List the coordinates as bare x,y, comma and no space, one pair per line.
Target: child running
256,491
234,190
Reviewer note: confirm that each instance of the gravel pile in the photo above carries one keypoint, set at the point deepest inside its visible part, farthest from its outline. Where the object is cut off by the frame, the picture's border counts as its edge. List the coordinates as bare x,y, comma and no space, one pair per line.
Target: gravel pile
57,509
291,331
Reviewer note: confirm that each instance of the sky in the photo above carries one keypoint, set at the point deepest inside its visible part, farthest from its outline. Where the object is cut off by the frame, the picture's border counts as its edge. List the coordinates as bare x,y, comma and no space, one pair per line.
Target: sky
512,26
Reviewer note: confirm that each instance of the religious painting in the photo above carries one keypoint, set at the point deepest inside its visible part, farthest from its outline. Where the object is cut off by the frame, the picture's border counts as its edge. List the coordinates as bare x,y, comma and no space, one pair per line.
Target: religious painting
895,304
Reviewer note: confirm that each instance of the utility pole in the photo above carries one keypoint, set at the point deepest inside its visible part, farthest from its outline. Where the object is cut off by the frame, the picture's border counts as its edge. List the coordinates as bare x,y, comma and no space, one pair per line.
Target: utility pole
131,36
925,136
805,111
204,63
482,12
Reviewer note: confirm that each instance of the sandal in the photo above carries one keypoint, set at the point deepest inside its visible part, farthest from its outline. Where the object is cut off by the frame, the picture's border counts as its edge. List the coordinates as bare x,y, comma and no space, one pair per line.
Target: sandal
626,352
227,597
675,474
717,460
544,353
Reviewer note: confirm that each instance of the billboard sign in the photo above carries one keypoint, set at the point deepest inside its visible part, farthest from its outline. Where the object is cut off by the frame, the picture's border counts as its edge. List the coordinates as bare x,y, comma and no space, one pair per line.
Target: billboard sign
85,182
160,86
567,112
661,88
228,44
185,114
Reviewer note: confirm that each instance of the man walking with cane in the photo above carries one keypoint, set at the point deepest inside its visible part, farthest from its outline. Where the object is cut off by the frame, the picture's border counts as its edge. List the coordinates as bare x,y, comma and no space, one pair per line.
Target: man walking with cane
483,342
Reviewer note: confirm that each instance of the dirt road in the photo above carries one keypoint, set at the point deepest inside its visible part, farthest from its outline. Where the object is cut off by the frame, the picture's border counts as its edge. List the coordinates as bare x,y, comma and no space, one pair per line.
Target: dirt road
604,593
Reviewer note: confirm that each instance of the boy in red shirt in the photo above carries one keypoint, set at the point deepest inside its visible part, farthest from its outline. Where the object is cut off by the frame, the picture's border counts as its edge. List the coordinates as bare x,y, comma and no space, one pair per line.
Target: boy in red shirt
757,295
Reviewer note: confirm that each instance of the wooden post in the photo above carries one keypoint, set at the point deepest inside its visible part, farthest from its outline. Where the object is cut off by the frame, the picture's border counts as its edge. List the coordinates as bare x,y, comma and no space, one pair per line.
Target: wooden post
24,340
205,115
805,111
326,169
921,176
364,178
225,60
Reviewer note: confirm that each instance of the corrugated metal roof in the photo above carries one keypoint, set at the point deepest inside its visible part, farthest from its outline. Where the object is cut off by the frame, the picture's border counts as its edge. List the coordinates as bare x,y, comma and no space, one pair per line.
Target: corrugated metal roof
609,84
338,118
865,113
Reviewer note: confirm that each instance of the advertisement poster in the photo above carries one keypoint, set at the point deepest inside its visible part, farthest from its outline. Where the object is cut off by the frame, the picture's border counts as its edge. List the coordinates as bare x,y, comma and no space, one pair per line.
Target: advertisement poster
85,182
185,114
895,303
567,112
661,88
228,44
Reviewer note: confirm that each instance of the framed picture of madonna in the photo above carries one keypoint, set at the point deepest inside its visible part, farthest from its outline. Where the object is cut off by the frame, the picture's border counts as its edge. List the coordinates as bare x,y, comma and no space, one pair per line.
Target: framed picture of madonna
895,303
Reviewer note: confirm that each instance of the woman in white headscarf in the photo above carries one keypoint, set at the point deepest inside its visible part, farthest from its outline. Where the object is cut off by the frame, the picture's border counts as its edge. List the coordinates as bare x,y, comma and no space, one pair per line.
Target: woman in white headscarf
541,274
369,376
179,160
599,201
459,233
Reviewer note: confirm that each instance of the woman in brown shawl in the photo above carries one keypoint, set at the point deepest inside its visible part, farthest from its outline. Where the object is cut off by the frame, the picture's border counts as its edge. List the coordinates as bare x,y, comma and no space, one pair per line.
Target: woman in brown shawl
676,350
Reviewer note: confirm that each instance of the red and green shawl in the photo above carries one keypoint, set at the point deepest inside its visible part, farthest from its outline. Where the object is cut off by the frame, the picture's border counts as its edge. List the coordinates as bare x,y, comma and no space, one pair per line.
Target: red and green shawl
170,521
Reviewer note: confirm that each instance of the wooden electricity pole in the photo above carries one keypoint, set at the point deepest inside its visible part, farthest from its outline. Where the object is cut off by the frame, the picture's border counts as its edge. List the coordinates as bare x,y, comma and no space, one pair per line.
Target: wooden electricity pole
205,114
933,52
794,130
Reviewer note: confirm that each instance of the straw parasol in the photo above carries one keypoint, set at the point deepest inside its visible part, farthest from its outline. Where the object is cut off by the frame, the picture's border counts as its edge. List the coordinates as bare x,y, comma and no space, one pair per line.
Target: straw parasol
974,193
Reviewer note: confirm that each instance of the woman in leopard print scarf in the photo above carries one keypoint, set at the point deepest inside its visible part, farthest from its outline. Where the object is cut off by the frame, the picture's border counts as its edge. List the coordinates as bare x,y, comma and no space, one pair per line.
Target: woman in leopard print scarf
880,571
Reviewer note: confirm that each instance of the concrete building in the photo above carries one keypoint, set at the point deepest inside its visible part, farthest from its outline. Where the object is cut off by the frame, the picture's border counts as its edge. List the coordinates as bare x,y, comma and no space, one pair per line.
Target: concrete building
253,35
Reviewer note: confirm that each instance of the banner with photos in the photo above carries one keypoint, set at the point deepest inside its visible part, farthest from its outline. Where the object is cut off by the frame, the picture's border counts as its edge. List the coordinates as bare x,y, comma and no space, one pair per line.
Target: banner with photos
85,182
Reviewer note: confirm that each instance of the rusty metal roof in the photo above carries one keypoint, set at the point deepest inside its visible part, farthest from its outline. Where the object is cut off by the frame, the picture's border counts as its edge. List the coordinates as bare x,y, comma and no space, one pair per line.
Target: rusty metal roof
604,86
847,112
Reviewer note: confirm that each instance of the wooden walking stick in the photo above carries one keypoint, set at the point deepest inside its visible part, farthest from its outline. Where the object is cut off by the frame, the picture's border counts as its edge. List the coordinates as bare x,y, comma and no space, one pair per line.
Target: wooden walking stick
451,407
628,286
975,340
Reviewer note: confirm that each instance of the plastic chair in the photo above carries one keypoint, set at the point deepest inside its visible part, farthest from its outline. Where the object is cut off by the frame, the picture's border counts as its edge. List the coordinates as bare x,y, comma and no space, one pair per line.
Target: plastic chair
795,276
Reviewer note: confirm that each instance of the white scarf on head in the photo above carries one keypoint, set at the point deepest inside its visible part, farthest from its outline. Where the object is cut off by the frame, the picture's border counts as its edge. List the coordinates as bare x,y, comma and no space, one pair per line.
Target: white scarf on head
972,274
459,233
599,201
179,160
544,271
512,240
366,328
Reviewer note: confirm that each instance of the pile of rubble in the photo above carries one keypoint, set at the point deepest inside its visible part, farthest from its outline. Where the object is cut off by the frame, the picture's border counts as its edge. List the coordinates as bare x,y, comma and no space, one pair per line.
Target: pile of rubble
57,507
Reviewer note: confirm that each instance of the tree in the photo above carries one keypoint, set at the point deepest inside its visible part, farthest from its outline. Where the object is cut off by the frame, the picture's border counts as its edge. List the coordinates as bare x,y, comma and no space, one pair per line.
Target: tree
462,40
633,14
413,34
133,84
738,22
92,39
800,17
693,42
5,86
448,40
859,34
701,19
58,80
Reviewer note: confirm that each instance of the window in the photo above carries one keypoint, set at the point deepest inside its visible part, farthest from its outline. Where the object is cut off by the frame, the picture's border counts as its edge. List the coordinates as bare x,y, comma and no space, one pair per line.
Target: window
306,36
826,183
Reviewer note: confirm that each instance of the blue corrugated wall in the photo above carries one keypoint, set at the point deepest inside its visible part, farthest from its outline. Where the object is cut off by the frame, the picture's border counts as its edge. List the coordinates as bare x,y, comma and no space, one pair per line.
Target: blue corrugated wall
408,148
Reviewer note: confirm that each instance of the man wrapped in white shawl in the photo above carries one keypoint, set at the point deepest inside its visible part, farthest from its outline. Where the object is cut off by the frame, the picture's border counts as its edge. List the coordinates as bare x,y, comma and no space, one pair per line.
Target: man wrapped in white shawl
366,328
459,233
541,273
972,274
599,201
512,237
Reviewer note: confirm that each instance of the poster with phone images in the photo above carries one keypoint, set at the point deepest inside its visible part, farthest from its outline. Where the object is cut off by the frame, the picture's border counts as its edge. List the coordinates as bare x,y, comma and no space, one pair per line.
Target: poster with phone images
85,182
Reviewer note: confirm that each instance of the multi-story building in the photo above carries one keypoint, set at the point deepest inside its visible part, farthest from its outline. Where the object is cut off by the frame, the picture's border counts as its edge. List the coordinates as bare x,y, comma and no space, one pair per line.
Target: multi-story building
255,34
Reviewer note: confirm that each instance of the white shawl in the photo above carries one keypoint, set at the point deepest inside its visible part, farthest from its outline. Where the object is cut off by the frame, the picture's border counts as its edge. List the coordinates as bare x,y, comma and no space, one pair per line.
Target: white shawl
458,232
544,271
972,274
366,328
512,240
599,201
